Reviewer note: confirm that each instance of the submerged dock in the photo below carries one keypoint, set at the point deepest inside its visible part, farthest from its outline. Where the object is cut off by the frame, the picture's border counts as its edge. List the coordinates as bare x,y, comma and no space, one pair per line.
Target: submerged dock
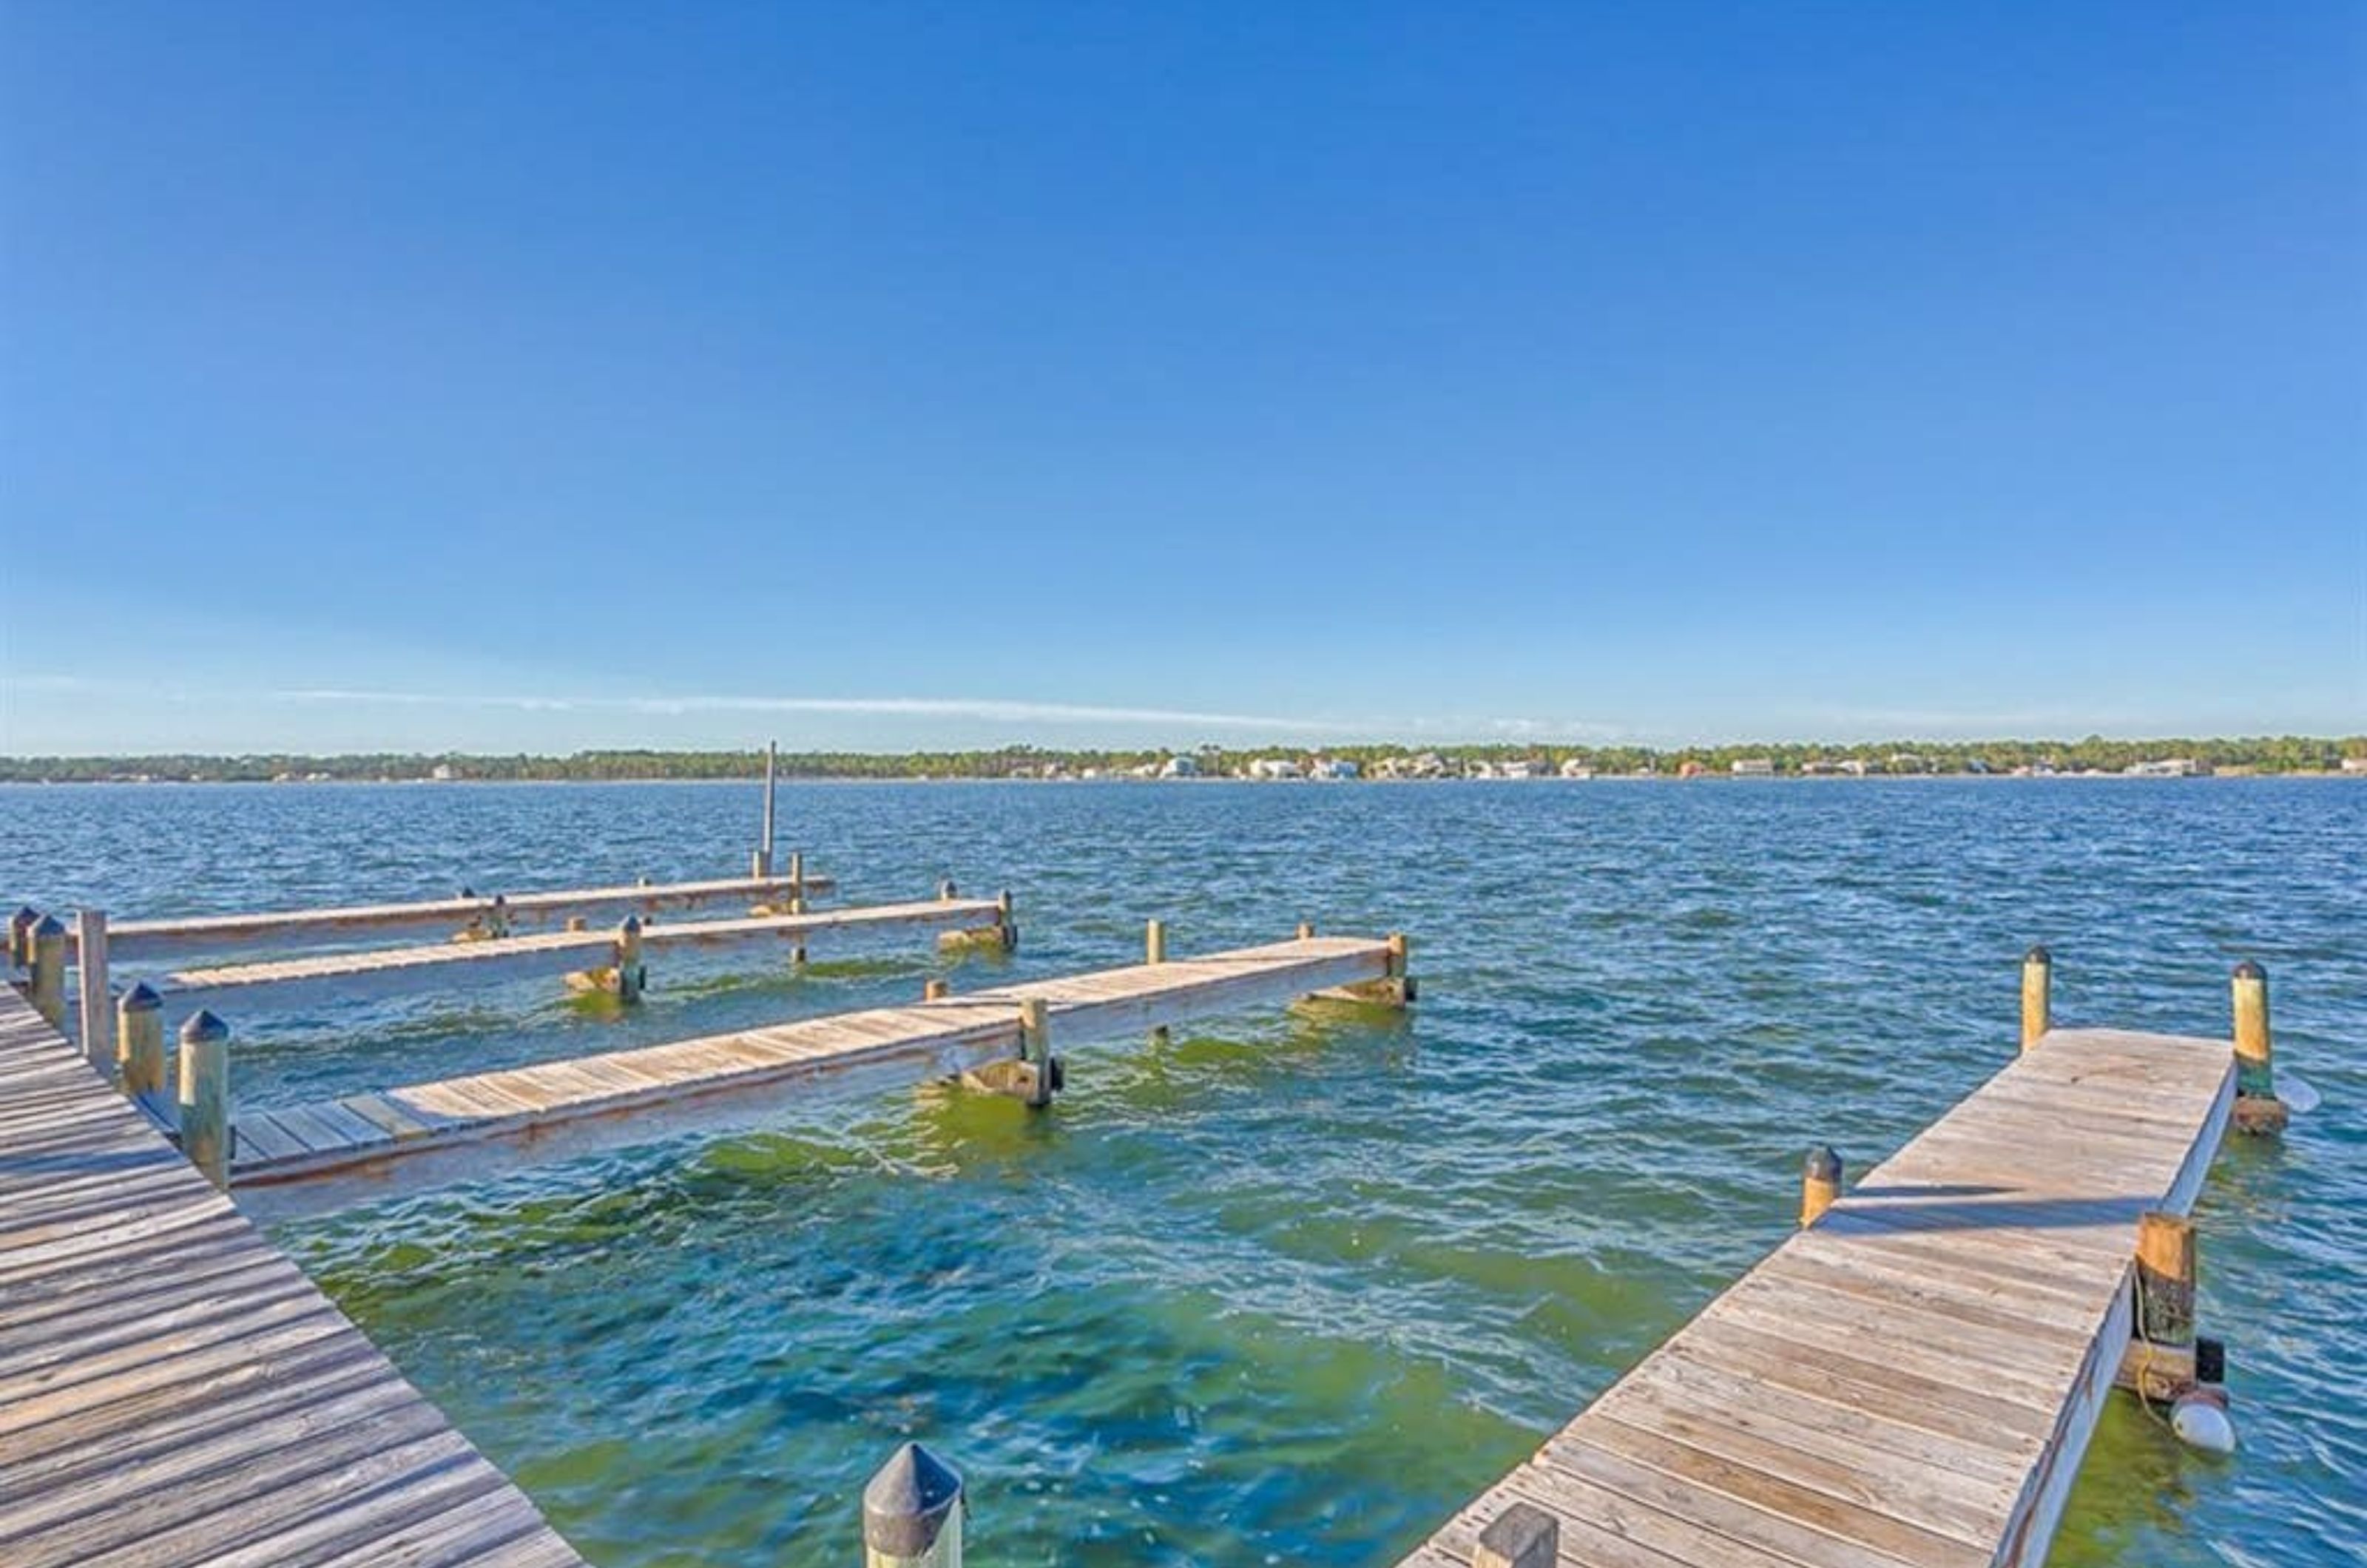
1913,1378
173,1390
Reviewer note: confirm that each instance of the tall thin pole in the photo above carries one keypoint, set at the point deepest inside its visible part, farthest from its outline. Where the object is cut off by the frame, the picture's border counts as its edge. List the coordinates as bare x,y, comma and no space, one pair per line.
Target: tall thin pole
765,848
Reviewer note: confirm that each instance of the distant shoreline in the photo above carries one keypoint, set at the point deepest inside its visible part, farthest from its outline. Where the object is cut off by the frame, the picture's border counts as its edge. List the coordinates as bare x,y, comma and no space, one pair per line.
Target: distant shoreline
2092,757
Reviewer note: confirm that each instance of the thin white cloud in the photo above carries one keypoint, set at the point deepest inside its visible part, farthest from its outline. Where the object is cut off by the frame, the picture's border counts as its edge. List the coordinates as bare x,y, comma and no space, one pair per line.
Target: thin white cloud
992,709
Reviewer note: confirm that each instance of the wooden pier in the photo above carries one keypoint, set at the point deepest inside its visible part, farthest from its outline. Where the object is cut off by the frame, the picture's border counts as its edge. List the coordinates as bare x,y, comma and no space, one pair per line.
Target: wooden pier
360,1145
1912,1379
173,1390
377,972
491,914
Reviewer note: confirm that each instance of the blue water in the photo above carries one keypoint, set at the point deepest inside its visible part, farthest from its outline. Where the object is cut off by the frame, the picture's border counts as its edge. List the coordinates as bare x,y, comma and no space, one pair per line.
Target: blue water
1293,1287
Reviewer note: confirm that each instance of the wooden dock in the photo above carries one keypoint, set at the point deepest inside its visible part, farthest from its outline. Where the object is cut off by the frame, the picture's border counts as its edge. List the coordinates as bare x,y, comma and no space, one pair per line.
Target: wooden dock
174,1392
490,913
1912,1379
356,1146
377,972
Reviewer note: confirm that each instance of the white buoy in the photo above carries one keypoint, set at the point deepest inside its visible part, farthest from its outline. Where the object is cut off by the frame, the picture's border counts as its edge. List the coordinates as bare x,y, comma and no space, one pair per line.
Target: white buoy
2201,1422
2301,1097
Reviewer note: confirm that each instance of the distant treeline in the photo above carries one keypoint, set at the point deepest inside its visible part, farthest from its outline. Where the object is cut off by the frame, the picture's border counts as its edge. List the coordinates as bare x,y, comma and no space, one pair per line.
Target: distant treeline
2267,754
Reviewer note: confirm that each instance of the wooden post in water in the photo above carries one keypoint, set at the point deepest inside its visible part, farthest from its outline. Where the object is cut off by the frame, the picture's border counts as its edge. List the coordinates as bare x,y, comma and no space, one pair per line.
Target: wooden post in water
2037,974
1006,929
2166,1361
205,1095
632,976
935,990
1522,1536
796,882
47,992
90,978
21,935
1306,929
1154,942
945,891
1035,1049
2257,1109
913,1513
140,1042
763,862
1820,1183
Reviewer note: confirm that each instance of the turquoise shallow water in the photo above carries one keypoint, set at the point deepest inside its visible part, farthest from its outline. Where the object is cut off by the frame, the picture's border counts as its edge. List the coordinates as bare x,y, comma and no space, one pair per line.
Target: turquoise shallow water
1290,1289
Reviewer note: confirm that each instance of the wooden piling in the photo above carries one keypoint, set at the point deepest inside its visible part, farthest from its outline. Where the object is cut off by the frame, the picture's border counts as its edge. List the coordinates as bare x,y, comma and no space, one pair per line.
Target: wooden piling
1035,1049
2037,976
1522,1536
90,978
935,990
945,890
205,1095
632,976
47,991
762,865
1006,929
796,882
1306,929
140,1042
2159,1363
913,1513
2257,1109
21,935
1820,1183
1154,942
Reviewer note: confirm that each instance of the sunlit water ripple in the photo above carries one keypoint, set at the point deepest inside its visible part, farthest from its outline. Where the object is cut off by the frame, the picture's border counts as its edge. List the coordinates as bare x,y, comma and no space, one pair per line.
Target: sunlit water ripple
1291,1288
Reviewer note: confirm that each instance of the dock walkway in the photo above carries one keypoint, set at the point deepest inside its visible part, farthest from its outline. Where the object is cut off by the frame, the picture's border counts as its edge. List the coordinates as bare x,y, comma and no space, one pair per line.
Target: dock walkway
174,1392
153,938
433,1130
377,972
1913,1379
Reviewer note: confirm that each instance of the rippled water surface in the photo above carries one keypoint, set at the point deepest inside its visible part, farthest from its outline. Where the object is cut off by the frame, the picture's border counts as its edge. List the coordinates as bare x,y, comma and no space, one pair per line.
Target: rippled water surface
1290,1288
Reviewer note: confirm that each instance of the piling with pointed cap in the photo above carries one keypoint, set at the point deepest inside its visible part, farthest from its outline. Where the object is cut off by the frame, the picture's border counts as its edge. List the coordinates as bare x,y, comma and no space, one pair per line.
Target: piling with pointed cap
47,992
631,975
205,1095
97,1006
2257,1109
1820,1183
913,1513
1522,1536
139,1040
21,935
2037,974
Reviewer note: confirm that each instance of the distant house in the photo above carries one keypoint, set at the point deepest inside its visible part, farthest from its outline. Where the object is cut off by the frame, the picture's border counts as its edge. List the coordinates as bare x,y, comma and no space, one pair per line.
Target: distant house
1753,768
1334,769
442,772
2354,764
1689,768
1574,769
1907,763
1180,768
1518,768
1274,768
2167,767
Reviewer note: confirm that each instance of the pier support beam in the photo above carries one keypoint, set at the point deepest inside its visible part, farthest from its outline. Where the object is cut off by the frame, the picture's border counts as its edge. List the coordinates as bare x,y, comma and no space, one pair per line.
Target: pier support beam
98,1006
1522,1536
1003,934
2166,1361
48,993
1820,1183
2037,1012
2258,1108
205,1095
140,1043
21,935
913,1513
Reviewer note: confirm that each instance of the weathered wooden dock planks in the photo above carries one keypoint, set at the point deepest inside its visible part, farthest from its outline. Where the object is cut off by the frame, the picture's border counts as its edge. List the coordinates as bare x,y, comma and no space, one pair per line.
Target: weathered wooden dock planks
298,928
376,971
174,1392
426,1131
1912,1380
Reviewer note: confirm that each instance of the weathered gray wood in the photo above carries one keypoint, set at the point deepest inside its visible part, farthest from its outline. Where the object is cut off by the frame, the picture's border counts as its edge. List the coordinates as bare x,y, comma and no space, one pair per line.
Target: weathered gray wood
205,1096
47,944
90,978
1913,1377
172,1389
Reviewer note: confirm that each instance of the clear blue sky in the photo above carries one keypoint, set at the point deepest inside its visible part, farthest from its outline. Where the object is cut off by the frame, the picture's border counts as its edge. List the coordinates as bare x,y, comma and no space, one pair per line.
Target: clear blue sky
499,375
